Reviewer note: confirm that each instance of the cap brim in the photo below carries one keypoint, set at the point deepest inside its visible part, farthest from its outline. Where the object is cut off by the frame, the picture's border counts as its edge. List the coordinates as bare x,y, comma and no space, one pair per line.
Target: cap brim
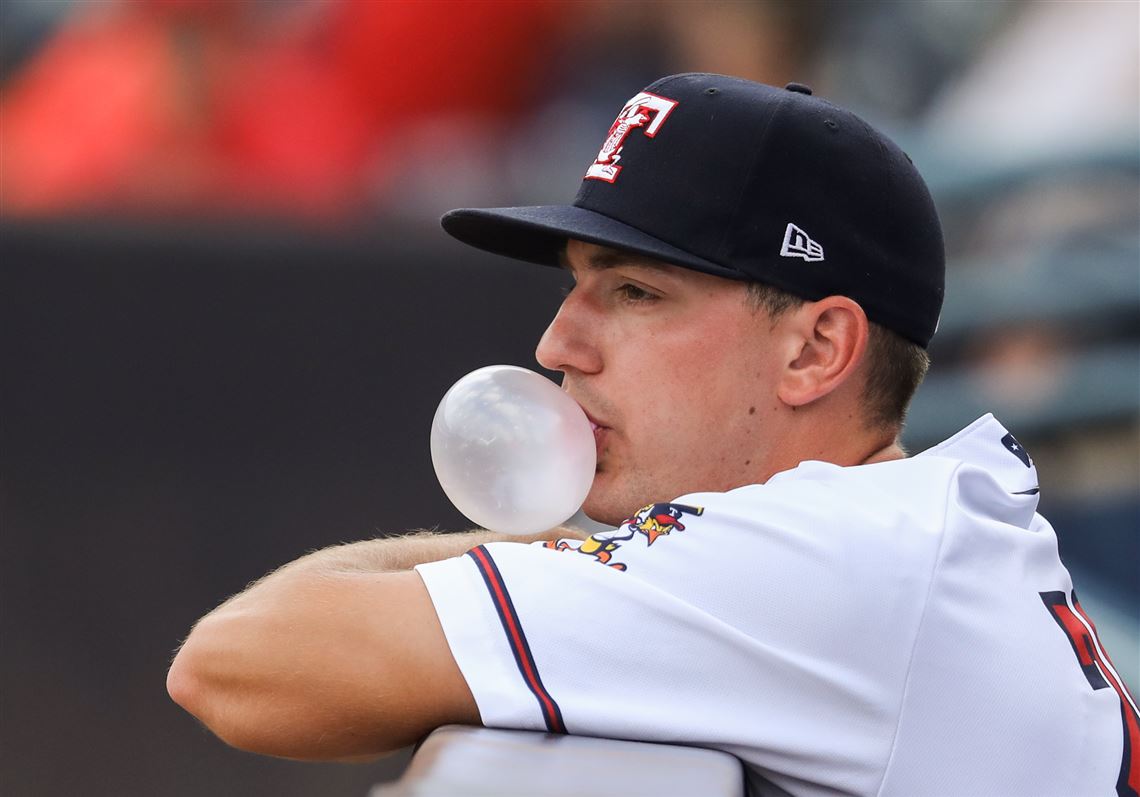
538,234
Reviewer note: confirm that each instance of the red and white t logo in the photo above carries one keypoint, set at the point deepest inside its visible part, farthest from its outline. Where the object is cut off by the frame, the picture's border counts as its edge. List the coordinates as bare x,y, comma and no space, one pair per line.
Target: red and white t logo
644,110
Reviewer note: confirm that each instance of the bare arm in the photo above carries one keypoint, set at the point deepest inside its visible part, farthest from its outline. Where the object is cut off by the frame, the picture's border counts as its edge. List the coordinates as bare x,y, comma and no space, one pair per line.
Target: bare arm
336,655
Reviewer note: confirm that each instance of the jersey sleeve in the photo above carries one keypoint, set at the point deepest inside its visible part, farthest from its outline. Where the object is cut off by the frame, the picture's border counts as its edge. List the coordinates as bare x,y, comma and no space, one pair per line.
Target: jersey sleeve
560,643
489,642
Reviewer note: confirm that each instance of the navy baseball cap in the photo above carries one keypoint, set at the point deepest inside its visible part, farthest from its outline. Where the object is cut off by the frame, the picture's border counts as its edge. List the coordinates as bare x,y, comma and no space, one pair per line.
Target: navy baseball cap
749,182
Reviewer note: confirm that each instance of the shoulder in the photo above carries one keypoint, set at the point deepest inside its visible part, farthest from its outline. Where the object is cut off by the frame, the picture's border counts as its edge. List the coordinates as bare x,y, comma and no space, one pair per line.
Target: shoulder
819,495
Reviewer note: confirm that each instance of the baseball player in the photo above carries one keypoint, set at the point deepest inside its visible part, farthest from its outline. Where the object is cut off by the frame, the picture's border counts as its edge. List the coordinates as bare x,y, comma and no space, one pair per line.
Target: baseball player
757,275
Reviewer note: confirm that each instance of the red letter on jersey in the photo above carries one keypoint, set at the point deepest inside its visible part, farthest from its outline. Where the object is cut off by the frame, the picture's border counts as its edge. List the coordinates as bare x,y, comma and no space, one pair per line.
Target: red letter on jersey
1100,673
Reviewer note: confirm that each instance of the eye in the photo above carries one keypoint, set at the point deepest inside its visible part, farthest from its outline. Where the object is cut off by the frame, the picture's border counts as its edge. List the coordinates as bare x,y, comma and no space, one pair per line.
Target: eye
634,293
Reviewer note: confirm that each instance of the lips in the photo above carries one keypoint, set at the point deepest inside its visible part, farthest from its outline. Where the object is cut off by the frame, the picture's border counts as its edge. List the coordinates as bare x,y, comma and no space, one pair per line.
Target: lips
598,428
600,431
595,424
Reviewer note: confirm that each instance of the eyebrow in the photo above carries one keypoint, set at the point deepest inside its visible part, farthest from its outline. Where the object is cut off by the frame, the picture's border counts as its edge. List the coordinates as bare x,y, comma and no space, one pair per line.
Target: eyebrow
607,258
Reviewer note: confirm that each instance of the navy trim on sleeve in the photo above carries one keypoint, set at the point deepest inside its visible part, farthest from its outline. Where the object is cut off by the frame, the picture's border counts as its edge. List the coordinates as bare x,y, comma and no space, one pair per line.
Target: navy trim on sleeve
551,713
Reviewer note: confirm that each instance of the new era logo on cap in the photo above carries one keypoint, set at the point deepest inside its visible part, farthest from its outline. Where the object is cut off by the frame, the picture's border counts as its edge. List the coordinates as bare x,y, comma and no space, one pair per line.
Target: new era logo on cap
798,244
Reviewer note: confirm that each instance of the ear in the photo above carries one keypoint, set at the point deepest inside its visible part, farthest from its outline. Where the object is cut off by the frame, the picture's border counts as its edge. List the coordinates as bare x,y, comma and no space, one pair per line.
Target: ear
830,338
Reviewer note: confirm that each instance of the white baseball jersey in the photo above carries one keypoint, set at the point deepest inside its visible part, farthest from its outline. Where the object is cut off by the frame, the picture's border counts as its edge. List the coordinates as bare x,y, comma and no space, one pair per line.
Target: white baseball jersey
901,628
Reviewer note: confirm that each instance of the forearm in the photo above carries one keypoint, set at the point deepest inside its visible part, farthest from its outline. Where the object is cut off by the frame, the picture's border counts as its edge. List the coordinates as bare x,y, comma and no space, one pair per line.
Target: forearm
285,667
386,555
405,551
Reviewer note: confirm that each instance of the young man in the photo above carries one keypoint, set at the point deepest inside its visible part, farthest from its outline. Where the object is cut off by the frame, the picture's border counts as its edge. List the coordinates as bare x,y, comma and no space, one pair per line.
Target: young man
757,275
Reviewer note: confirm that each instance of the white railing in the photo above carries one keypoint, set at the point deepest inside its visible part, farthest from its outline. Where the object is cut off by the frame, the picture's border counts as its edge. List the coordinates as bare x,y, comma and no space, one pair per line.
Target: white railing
462,761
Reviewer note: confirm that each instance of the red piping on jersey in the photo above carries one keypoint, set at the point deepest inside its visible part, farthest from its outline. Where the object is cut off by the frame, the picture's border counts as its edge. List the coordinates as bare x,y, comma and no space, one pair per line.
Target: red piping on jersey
551,713
1129,781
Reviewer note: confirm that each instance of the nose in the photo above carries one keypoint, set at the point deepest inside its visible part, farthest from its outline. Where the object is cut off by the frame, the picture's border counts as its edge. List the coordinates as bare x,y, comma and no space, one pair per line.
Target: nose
570,342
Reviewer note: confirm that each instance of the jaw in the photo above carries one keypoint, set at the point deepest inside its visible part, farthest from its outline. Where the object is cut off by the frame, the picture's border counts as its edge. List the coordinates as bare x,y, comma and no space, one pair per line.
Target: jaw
618,492
595,507
604,503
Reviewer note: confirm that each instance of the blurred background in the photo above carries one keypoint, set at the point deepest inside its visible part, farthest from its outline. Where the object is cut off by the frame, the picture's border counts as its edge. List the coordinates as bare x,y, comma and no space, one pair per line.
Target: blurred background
228,313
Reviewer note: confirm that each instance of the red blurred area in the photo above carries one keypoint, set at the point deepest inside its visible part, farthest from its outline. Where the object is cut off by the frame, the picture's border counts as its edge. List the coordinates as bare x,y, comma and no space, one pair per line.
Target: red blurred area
158,106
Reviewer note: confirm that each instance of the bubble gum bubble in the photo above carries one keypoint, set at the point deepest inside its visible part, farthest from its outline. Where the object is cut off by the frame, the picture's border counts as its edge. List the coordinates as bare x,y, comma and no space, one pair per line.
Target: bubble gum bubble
512,451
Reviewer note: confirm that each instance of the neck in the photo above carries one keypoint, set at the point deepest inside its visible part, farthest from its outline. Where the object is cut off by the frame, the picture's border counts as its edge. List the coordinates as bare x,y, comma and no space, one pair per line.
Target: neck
886,453
859,449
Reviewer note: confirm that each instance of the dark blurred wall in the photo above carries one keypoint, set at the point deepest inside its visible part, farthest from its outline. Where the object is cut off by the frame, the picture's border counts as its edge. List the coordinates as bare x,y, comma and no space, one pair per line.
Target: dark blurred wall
182,410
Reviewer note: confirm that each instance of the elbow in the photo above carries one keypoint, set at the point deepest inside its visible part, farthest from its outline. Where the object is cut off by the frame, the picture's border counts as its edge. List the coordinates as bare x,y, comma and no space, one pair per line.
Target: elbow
195,683
184,683
276,683
188,684
180,683
242,700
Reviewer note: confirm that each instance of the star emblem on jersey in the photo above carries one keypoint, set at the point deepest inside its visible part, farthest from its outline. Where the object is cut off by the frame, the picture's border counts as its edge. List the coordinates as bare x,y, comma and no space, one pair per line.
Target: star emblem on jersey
798,243
1017,449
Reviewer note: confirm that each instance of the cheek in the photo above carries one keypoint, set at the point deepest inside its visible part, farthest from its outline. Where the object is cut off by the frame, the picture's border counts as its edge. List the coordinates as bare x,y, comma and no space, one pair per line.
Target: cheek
702,388
676,428
722,410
